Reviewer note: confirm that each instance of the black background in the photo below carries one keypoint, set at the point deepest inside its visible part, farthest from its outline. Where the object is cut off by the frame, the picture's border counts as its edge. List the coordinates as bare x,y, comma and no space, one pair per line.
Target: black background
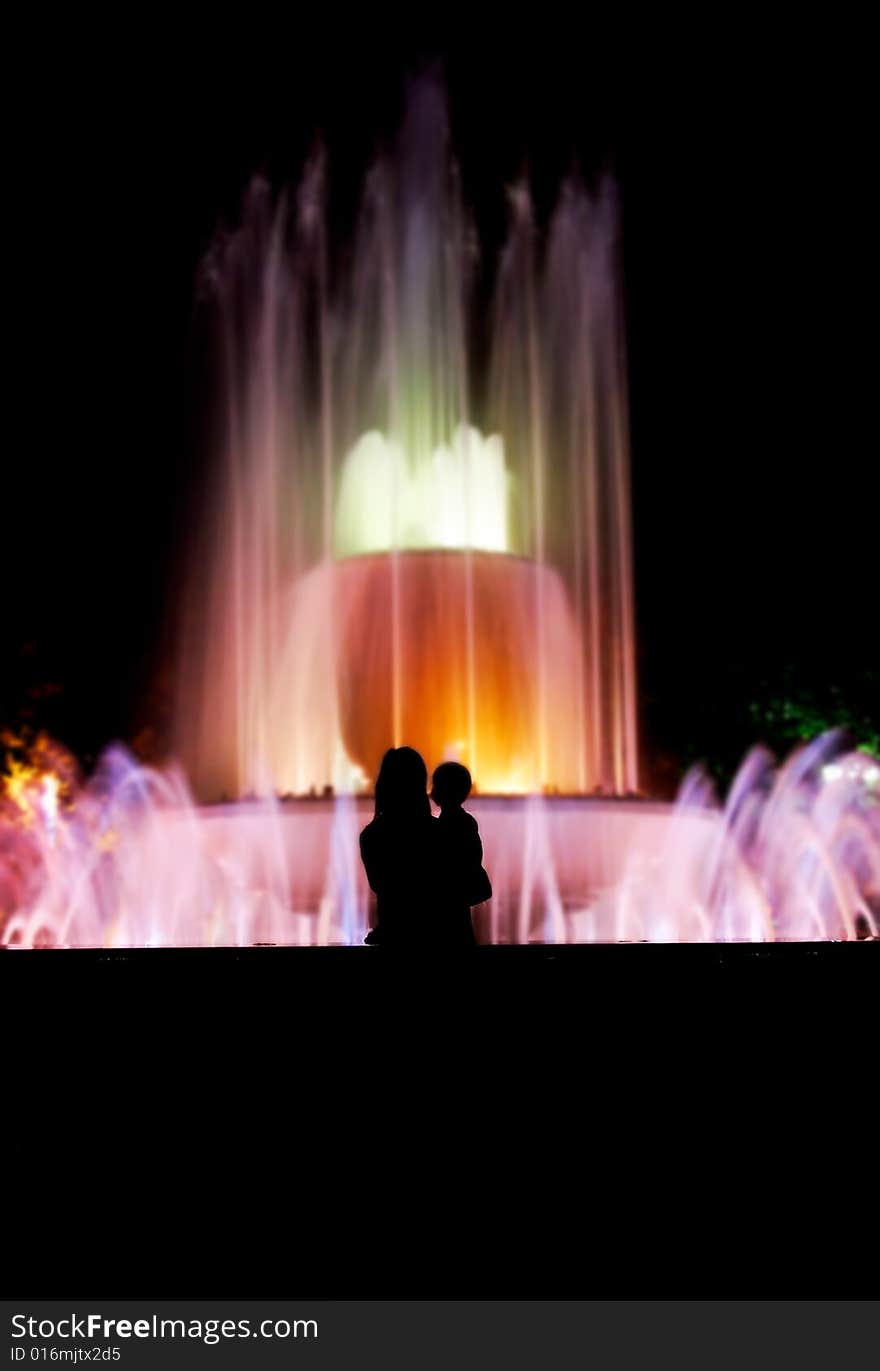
740,154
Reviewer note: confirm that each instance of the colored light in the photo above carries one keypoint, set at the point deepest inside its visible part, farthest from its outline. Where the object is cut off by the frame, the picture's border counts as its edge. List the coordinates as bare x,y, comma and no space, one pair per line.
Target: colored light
456,496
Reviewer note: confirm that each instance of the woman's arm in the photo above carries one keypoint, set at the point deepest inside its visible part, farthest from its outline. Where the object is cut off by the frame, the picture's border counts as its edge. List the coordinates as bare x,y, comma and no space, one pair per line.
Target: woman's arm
370,858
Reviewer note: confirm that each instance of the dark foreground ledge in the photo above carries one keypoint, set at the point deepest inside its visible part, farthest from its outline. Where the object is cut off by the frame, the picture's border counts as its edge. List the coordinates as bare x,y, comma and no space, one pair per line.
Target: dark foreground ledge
499,1001
630,957
509,976
520,1121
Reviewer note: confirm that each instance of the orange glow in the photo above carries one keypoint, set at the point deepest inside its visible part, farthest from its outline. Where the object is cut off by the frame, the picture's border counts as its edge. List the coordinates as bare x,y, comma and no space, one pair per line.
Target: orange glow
468,679
36,776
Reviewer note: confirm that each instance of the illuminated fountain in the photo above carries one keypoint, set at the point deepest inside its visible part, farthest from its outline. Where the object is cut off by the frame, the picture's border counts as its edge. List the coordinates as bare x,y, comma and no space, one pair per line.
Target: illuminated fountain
393,556
391,553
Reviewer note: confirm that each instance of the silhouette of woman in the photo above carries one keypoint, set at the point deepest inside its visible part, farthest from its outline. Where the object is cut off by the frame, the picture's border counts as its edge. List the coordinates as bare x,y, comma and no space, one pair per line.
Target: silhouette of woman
399,850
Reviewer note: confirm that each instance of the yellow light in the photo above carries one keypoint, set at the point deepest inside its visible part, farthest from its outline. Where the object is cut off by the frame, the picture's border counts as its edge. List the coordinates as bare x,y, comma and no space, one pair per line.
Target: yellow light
454,497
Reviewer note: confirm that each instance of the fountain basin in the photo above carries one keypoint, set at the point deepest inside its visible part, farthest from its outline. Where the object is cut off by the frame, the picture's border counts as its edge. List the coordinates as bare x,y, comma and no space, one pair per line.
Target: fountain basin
449,652
555,863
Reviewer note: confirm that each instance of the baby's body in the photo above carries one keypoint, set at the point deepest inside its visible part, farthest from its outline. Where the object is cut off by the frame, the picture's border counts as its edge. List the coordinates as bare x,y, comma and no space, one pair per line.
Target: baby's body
465,879
462,831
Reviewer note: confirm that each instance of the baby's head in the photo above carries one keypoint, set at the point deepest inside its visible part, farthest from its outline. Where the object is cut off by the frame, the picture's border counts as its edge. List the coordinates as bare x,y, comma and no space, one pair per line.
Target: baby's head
450,785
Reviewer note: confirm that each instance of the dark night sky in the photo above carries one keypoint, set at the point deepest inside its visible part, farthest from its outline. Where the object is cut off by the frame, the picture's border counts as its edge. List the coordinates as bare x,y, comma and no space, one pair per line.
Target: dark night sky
741,175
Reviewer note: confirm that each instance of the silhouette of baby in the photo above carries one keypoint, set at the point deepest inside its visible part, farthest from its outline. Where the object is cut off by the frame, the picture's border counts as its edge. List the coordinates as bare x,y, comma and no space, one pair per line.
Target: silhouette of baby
464,878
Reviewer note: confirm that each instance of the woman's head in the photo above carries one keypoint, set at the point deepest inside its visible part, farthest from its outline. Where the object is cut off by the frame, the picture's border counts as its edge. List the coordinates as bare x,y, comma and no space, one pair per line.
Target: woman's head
402,783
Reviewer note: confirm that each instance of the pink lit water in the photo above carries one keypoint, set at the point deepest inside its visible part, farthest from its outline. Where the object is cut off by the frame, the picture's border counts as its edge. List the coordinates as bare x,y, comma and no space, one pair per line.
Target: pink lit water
135,862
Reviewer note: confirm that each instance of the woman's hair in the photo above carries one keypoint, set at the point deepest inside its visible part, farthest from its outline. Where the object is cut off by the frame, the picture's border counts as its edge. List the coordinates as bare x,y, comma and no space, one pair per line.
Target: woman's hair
402,785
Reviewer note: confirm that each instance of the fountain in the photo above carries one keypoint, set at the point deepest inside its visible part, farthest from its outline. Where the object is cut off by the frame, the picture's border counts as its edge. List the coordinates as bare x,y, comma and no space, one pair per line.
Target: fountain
392,553
391,556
